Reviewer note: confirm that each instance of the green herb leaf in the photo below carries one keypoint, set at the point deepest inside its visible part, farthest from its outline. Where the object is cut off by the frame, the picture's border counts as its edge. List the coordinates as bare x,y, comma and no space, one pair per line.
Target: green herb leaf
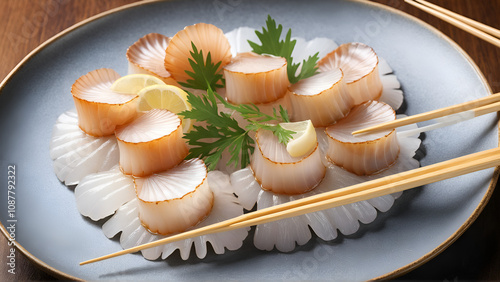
272,44
223,132
205,73
283,114
309,67
259,120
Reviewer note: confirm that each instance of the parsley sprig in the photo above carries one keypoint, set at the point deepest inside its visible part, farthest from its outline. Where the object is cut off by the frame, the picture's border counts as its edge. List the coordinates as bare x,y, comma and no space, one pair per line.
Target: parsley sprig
205,72
272,44
223,131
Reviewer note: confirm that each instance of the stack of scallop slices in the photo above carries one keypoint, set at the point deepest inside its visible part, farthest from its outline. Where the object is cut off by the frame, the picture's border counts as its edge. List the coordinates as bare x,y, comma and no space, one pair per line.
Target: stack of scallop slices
366,154
83,141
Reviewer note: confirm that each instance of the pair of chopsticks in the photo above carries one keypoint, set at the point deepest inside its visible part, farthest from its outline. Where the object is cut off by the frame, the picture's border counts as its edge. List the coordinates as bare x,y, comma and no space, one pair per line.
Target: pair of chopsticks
359,192
475,28
478,107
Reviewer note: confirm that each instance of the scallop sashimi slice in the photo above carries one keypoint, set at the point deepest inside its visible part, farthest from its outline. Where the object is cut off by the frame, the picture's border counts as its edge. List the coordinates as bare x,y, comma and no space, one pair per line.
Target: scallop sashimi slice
225,206
101,110
206,38
147,55
151,143
392,93
322,98
76,154
238,39
277,171
363,154
253,78
305,48
176,199
100,194
359,63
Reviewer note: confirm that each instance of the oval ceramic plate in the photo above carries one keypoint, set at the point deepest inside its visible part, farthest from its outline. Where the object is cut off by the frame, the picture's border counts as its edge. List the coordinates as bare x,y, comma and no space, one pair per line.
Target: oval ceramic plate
434,72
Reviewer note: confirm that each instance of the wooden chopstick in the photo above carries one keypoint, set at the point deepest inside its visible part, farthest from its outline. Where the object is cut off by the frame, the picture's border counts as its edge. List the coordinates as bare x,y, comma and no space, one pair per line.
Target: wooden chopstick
486,28
363,191
479,107
478,29
475,28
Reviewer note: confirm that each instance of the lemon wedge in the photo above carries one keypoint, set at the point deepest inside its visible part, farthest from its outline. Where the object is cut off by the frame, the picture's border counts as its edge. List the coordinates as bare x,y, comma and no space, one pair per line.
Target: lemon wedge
133,83
166,97
304,139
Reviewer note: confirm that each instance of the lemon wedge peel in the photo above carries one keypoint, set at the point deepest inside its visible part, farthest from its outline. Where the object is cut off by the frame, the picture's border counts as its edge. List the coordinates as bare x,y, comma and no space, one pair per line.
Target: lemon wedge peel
134,83
166,97
304,140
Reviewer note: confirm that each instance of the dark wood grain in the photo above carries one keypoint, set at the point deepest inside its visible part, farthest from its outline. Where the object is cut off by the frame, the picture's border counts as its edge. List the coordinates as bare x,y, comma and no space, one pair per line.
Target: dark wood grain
24,24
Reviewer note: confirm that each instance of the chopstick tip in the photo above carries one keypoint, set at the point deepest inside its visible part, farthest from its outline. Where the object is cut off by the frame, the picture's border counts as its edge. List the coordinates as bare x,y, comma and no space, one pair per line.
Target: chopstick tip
358,132
85,262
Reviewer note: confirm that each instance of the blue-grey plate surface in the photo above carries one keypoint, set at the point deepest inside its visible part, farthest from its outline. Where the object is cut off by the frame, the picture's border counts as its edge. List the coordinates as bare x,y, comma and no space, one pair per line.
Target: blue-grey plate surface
433,71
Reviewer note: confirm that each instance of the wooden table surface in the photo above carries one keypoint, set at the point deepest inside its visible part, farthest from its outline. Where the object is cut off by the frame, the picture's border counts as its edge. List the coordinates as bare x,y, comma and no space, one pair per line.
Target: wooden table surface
24,24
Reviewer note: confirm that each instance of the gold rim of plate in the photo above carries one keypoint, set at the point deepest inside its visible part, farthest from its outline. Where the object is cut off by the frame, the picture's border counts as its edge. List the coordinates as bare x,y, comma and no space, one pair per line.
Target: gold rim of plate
393,274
